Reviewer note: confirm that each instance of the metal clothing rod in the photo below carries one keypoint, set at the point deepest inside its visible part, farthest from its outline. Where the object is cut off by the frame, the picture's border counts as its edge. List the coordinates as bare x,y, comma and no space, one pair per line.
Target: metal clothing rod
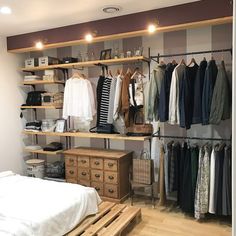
192,53
186,137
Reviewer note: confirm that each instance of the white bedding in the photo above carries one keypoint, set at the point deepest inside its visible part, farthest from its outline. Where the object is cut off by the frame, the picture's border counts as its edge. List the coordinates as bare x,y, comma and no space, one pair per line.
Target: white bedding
36,207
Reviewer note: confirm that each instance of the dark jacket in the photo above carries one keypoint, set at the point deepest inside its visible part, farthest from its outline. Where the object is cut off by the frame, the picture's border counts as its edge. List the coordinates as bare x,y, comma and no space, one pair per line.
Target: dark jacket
220,105
165,93
208,87
198,88
187,96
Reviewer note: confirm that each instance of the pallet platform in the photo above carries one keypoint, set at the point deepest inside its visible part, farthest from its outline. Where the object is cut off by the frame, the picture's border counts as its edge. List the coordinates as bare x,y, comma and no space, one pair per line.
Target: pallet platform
111,220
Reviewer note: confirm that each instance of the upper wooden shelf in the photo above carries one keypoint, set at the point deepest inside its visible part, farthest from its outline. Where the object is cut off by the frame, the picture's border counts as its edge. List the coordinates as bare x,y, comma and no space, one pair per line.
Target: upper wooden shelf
41,151
90,135
35,82
42,107
89,63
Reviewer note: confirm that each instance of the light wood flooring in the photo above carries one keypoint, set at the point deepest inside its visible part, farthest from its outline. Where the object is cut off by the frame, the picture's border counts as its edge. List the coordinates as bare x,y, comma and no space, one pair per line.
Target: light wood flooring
166,222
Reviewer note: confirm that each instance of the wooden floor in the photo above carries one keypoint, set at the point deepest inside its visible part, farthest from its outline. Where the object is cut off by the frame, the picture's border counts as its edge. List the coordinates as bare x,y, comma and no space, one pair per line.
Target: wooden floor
168,222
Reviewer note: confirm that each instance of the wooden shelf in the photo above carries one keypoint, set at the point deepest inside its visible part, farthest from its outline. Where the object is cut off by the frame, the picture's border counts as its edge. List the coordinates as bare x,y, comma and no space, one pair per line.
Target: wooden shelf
41,151
35,82
89,63
42,107
89,135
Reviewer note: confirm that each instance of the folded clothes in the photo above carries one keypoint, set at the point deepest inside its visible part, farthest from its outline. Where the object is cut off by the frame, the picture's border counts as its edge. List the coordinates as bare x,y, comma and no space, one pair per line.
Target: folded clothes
34,125
33,147
54,146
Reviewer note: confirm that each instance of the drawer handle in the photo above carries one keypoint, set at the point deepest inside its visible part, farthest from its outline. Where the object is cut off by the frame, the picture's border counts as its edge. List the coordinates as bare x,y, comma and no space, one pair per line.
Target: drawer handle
71,160
110,177
97,175
97,163
71,172
84,173
110,190
97,188
110,164
83,161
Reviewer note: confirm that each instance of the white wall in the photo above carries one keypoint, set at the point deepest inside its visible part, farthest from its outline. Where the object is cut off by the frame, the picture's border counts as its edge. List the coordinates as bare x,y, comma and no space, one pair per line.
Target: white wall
11,97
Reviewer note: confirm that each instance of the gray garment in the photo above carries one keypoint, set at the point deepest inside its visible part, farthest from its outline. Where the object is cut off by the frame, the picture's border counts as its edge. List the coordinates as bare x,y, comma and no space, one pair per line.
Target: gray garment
226,186
111,101
220,105
157,76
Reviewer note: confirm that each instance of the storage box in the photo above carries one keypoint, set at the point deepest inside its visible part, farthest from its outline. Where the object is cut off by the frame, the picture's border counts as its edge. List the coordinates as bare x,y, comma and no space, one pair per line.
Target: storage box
46,61
52,99
31,62
50,75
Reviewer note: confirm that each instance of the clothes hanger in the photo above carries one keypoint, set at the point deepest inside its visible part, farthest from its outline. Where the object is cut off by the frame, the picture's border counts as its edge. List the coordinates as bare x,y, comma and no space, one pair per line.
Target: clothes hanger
76,75
192,62
183,62
174,62
110,73
204,59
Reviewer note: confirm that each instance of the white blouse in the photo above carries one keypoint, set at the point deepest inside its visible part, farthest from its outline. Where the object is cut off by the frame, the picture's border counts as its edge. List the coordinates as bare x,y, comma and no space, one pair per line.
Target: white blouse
79,99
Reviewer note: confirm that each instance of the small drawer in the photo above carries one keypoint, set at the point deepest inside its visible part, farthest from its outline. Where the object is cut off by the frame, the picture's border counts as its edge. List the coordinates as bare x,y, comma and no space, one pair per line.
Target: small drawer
71,172
98,187
111,191
71,161
83,174
110,165
97,175
83,162
97,163
84,183
73,181
111,177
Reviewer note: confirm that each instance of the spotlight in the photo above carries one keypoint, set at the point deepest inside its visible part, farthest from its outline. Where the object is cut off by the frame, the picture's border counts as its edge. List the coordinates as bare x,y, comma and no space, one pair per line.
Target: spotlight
152,28
88,37
39,45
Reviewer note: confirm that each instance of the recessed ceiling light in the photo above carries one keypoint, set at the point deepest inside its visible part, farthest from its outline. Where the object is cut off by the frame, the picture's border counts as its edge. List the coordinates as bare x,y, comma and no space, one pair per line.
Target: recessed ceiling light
111,9
152,28
5,10
88,37
39,45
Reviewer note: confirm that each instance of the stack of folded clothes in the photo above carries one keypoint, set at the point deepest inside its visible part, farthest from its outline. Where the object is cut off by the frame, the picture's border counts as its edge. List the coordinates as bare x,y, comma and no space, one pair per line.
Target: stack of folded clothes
55,170
54,146
33,126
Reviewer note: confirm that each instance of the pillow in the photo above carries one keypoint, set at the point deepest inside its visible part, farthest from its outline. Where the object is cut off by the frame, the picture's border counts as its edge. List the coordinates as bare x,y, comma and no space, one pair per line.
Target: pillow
6,173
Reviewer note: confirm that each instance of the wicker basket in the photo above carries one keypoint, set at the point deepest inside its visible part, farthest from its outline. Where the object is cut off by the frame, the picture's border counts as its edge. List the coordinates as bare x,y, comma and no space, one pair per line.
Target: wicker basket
142,170
52,99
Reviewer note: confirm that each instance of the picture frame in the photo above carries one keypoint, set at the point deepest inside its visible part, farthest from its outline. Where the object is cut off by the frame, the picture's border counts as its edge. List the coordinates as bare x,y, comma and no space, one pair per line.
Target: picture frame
105,54
60,126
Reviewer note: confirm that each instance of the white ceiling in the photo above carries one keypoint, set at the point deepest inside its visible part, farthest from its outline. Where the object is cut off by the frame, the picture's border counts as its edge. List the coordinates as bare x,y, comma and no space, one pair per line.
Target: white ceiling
34,15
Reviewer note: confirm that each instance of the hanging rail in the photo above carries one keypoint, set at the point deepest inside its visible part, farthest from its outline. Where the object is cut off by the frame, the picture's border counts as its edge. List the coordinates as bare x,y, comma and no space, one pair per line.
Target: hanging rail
156,58
157,135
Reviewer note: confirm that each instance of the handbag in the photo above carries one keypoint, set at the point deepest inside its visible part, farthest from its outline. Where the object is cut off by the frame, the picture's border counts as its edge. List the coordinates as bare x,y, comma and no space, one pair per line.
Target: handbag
142,168
34,98
103,129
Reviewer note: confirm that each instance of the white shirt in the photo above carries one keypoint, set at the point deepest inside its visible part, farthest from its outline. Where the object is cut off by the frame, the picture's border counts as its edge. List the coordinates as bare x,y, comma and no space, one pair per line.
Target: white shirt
117,97
79,99
212,183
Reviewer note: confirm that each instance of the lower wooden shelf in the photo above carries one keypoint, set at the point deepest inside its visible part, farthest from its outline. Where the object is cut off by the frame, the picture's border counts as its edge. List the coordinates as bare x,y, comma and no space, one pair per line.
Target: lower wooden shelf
41,151
42,107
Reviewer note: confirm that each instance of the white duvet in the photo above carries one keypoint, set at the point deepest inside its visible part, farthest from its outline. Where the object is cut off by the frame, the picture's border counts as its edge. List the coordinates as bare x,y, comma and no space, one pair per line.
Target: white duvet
36,207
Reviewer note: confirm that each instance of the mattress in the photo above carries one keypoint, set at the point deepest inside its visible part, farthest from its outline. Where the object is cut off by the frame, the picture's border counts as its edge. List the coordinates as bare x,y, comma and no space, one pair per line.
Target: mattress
36,207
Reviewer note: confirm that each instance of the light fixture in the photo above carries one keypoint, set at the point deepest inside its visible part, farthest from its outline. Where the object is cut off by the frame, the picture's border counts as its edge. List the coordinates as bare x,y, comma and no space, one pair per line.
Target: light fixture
152,28
111,9
88,37
5,10
39,45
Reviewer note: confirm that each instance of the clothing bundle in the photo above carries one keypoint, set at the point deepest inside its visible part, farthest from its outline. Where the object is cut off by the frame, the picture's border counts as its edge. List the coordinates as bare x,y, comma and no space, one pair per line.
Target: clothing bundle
201,176
117,98
79,99
33,125
186,95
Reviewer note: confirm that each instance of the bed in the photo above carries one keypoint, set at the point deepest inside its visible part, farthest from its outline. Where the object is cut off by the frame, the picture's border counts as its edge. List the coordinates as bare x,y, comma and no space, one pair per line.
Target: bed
36,207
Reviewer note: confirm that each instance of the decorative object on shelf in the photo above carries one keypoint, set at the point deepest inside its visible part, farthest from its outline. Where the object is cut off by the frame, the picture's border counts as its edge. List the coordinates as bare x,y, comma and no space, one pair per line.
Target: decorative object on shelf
52,99
35,168
116,53
122,55
50,75
60,126
138,52
31,62
48,125
129,54
105,54
46,61
92,56
67,60
80,59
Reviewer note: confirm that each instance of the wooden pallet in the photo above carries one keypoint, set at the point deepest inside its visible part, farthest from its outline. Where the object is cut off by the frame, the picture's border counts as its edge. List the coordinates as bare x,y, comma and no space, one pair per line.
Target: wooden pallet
111,220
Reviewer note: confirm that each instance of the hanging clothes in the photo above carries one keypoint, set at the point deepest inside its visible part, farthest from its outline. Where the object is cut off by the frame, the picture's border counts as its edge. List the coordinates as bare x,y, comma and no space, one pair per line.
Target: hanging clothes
203,178
79,99
177,76
208,87
198,89
161,179
186,96
117,99
165,93
111,101
99,97
154,92
194,170
220,106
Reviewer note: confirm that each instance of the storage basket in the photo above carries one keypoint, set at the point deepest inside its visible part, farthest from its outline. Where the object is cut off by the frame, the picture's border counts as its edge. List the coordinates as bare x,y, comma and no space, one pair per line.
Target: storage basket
142,169
35,168
52,99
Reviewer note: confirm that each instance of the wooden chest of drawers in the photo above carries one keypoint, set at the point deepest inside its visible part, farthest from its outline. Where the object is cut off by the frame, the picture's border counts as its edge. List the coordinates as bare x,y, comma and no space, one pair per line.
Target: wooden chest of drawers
105,170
